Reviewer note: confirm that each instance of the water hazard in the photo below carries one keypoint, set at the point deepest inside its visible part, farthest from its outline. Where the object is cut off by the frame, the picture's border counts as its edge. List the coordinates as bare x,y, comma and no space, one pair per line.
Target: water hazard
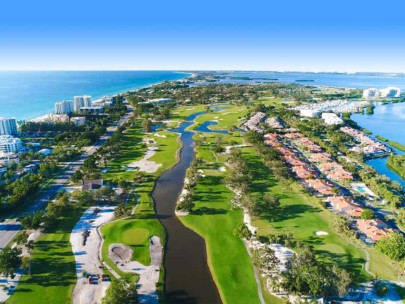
187,276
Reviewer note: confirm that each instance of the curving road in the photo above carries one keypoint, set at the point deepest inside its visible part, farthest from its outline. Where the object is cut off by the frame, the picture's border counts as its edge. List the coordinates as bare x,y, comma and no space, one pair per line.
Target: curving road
9,229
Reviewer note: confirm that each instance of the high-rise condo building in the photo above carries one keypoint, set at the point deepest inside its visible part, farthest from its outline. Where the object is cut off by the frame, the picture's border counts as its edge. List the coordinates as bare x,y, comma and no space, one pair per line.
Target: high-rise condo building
64,107
8,126
87,101
9,144
78,102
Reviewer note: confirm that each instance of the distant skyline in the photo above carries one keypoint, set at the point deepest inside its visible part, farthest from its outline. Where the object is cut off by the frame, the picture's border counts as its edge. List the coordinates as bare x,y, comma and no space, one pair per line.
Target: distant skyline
320,36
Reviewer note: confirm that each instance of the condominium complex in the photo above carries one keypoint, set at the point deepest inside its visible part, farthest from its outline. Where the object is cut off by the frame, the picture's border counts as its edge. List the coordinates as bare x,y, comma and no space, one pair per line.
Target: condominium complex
371,93
390,92
64,107
78,102
8,126
87,101
9,144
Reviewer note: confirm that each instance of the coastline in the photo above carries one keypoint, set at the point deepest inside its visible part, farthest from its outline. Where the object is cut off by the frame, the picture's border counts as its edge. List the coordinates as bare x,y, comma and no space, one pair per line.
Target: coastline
97,97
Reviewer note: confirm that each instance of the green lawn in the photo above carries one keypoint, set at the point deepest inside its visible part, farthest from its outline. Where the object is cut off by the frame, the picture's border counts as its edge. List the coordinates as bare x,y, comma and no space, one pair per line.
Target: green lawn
53,272
301,215
228,259
181,113
230,116
135,231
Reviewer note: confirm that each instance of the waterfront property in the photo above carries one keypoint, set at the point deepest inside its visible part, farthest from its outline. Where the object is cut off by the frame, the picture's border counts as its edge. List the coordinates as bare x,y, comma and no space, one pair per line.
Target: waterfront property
336,106
366,145
10,144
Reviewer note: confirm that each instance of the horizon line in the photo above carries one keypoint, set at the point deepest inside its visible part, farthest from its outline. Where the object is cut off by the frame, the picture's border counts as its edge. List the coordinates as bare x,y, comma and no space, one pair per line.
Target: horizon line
196,70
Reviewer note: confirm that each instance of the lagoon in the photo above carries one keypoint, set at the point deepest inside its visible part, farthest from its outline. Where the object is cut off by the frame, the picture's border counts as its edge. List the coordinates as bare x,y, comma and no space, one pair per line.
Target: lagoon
387,121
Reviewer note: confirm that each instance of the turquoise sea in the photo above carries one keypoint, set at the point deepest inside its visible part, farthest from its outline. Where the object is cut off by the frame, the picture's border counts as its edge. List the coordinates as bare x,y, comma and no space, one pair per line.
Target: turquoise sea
29,94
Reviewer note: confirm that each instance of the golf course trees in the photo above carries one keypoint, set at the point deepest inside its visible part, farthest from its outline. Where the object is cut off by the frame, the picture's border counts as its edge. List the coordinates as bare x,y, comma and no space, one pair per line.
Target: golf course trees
243,232
239,176
392,245
147,125
122,210
367,214
10,260
266,261
120,292
307,275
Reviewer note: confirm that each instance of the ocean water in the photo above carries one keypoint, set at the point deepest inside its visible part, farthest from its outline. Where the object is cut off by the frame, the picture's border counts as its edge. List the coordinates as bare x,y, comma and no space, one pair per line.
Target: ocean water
29,94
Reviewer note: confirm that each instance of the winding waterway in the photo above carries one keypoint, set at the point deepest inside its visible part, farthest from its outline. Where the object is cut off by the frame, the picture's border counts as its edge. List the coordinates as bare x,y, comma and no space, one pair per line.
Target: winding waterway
387,121
187,276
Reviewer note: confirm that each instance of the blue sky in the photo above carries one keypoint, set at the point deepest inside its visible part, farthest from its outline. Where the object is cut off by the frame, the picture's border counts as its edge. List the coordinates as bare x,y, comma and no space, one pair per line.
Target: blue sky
250,35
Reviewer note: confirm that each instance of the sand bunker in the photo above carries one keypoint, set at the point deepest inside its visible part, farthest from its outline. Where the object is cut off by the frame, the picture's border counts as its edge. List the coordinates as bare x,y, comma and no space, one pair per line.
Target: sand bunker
87,255
121,255
146,165
222,169
321,233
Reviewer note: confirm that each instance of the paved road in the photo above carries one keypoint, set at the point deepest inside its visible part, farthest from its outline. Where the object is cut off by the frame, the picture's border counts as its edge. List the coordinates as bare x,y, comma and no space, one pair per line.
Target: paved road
9,229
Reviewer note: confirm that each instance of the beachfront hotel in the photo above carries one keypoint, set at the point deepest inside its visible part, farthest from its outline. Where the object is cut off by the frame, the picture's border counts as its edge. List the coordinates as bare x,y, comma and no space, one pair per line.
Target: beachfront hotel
8,126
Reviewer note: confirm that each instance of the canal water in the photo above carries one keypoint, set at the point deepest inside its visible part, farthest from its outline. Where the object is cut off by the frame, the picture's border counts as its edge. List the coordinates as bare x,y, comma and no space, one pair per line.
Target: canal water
387,121
187,276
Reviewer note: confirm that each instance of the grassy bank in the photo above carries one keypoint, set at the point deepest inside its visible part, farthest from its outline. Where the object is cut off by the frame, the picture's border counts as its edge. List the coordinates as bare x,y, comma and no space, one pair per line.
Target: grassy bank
228,260
215,220
392,143
53,271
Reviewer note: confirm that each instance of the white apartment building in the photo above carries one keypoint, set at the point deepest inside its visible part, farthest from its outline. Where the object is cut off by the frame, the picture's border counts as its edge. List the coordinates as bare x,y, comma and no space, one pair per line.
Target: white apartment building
309,113
331,119
78,102
7,159
390,92
10,144
87,101
371,93
8,126
108,101
64,107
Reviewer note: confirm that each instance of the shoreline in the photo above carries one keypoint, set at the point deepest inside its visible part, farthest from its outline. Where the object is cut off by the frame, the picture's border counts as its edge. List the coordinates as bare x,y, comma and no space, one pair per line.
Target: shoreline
41,117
